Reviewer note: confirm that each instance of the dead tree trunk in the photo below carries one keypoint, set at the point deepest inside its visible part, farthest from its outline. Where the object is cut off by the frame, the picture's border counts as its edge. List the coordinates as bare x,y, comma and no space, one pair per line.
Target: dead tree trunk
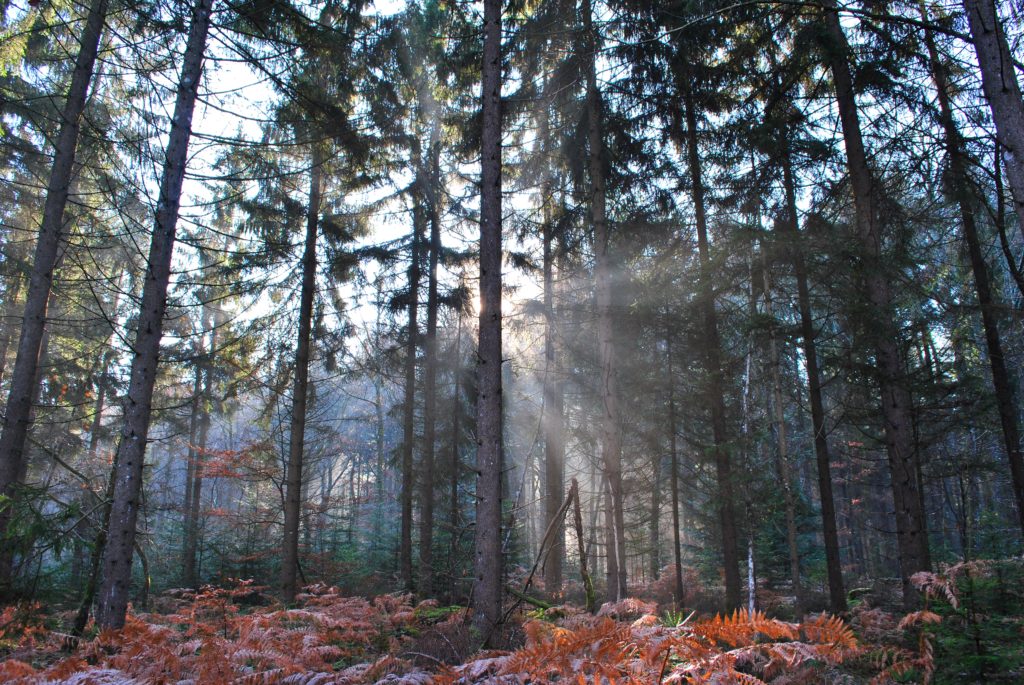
117,558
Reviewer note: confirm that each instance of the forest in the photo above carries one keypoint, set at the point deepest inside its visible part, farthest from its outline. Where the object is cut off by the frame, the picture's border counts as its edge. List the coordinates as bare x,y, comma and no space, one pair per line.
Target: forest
535,341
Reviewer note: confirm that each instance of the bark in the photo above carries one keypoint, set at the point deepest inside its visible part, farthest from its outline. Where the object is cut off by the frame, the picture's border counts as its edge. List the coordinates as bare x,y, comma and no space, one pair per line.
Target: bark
300,389
999,83
610,430
961,187
830,533
487,558
433,189
455,463
117,558
23,385
713,366
882,331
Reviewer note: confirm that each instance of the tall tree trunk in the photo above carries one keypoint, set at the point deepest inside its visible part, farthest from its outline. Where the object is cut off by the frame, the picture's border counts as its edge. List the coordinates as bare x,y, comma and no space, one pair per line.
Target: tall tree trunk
999,82
198,452
409,405
18,410
187,550
553,420
830,533
782,453
117,558
960,183
611,430
455,463
300,389
677,547
433,193
488,558
713,365
883,329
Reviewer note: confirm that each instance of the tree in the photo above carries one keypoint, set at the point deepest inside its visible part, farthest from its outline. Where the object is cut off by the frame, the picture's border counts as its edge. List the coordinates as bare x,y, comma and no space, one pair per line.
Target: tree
487,557
17,417
117,559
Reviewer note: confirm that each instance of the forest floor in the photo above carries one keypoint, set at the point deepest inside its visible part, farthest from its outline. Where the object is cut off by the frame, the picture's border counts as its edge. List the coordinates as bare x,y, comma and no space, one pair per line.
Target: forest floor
970,630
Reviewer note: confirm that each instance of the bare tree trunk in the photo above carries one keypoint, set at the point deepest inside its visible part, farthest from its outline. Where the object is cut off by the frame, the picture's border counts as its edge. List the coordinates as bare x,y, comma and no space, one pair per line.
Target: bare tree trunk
117,559
883,330
18,410
713,364
999,82
455,462
488,558
430,376
300,389
611,431
1005,400
830,533
188,551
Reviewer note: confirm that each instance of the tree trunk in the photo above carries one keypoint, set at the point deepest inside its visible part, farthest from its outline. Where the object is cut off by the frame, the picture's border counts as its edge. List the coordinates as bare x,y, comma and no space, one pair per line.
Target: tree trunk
999,82
433,192
117,559
198,452
409,405
713,365
553,420
300,389
677,547
188,547
487,559
882,330
830,534
960,183
611,430
782,453
18,410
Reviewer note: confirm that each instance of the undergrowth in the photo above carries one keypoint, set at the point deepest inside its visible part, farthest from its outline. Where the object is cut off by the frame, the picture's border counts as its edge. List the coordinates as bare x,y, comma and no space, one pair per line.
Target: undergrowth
213,637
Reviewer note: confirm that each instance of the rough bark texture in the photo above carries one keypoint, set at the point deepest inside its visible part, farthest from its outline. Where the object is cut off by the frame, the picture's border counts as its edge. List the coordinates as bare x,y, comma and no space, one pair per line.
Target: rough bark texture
999,82
830,531
882,332
487,555
713,367
18,410
610,429
300,389
961,186
117,558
